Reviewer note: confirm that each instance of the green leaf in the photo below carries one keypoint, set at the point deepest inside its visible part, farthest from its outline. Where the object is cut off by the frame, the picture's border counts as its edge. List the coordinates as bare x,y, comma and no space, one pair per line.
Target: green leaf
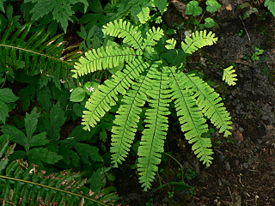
193,8
31,122
77,95
42,8
209,22
4,112
38,155
212,6
2,5
270,4
7,96
144,15
56,120
16,134
171,43
229,76
161,5
88,153
62,15
39,140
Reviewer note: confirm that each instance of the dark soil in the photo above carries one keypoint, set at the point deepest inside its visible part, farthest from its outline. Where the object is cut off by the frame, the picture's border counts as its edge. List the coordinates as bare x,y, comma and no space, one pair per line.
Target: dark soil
243,171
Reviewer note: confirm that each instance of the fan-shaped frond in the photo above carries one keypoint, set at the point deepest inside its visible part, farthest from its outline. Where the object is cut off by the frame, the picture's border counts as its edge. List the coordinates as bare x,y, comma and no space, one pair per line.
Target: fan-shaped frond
152,141
229,76
152,36
190,117
123,29
126,122
198,40
103,58
107,94
37,53
210,103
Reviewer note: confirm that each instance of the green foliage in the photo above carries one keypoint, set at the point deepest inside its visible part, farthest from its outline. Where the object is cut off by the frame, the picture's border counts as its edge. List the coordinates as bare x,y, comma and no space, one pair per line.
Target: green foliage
32,143
209,22
61,10
270,4
21,184
212,6
229,76
148,76
6,97
257,53
193,8
36,52
139,10
198,40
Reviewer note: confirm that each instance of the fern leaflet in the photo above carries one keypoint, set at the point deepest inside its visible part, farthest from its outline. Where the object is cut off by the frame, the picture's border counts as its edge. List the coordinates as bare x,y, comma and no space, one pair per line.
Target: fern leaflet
123,29
152,141
152,37
102,58
191,119
210,103
229,76
125,123
107,94
198,40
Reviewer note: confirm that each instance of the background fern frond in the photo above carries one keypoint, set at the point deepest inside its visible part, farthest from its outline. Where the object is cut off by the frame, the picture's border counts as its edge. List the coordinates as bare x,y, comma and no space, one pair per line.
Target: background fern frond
126,121
154,134
103,58
107,94
198,40
193,124
210,103
123,29
24,185
229,76
152,36
37,53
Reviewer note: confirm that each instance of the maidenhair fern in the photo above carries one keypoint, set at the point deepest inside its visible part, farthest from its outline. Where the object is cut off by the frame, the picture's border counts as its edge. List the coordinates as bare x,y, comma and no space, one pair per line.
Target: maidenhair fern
148,75
229,76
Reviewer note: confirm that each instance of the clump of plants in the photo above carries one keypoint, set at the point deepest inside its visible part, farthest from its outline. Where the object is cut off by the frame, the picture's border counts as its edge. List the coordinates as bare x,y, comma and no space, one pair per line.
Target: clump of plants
151,76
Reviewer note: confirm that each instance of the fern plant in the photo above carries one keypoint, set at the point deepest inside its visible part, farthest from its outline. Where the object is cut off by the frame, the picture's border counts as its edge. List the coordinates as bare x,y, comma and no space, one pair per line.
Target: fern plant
153,73
21,184
37,52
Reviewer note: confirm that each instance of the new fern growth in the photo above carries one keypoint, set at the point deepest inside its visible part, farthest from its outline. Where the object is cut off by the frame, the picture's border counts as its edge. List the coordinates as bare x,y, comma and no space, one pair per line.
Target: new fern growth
152,73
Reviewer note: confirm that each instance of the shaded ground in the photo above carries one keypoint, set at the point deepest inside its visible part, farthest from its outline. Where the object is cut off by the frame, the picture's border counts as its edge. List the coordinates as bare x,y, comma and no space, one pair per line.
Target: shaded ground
243,172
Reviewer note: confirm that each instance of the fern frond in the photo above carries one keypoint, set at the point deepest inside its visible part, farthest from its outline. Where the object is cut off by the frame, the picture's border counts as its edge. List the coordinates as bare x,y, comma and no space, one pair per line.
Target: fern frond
193,124
154,134
153,36
36,52
198,40
229,76
126,122
210,103
123,29
24,185
103,58
107,94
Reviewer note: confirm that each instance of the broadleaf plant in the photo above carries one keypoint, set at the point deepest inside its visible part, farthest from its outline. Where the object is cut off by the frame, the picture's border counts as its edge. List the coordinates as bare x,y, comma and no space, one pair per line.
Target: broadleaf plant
153,74
61,10
6,97
32,141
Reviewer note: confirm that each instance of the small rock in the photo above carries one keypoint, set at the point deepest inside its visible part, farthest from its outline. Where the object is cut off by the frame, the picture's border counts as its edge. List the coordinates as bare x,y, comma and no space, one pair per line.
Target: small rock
227,166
